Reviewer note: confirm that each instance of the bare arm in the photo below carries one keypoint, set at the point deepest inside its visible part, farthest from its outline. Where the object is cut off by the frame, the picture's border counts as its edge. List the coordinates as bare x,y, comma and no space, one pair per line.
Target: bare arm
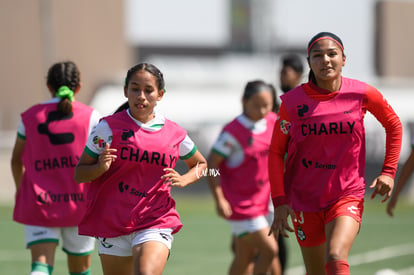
406,171
196,163
16,161
222,206
89,168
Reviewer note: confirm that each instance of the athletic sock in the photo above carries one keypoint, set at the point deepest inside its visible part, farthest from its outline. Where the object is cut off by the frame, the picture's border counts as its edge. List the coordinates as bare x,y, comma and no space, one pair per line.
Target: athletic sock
39,268
86,272
337,268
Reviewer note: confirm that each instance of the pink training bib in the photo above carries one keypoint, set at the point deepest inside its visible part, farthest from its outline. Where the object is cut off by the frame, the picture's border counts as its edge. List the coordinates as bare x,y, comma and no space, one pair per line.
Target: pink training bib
247,186
326,150
49,196
130,196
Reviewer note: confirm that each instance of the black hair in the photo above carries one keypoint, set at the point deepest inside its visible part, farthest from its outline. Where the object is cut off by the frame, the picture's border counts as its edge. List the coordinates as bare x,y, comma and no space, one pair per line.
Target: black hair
312,41
124,106
63,74
293,61
275,107
253,87
149,68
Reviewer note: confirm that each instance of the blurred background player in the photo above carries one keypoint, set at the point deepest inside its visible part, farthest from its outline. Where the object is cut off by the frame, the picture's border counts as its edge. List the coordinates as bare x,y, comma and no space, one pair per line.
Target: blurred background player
50,139
242,190
291,72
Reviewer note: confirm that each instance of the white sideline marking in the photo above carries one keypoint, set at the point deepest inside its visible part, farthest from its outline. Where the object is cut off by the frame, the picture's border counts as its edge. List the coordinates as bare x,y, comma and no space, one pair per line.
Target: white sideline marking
370,257
382,254
406,271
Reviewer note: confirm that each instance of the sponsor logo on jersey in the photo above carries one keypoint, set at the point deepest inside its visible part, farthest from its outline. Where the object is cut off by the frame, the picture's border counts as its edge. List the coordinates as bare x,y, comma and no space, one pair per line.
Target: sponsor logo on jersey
124,188
127,134
49,197
56,163
302,109
329,128
56,138
139,155
318,165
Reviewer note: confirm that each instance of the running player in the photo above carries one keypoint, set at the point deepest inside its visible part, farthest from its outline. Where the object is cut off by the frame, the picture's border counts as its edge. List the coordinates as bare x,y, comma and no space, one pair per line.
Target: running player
242,191
130,159
320,127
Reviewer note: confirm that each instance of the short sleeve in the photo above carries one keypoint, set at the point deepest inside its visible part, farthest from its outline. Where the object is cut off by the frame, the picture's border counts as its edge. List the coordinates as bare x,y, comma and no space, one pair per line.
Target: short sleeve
187,148
21,130
94,120
230,149
98,138
224,144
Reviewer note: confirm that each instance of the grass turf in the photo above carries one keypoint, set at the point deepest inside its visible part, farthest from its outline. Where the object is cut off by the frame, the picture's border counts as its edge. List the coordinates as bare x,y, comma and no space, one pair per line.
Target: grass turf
203,245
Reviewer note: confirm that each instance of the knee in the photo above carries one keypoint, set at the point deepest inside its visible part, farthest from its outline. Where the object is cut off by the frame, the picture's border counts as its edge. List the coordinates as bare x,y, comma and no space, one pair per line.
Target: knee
270,252
336,254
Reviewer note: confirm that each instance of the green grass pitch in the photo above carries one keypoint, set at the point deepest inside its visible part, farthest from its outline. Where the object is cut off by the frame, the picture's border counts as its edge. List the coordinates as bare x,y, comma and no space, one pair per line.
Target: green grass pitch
203,245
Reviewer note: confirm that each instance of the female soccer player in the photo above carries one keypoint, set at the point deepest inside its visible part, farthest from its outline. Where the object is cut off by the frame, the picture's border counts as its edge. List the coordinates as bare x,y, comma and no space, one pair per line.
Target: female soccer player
49,142
320,127
130,159
242,191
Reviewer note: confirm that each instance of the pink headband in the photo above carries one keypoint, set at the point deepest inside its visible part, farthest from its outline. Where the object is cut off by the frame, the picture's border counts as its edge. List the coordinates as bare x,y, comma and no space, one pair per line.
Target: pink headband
325,37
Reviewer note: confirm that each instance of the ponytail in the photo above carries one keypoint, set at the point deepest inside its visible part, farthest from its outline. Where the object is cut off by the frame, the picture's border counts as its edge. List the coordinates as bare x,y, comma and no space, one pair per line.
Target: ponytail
124,106
63,78
66,97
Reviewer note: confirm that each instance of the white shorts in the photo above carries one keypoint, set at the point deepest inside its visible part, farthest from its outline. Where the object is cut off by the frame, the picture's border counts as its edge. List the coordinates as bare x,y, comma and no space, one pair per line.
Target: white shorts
243,227
270,215
73,243
122,245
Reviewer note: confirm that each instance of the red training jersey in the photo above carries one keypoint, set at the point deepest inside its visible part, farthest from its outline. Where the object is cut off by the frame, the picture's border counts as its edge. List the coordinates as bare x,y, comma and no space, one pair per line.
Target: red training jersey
323,135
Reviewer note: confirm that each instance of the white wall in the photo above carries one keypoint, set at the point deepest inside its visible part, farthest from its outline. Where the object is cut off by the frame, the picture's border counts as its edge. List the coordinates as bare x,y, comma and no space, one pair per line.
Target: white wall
288,23
178,22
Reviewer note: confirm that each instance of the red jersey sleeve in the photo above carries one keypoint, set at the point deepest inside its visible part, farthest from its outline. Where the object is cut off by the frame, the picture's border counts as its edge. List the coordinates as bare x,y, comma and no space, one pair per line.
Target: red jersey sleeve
377,105
278,149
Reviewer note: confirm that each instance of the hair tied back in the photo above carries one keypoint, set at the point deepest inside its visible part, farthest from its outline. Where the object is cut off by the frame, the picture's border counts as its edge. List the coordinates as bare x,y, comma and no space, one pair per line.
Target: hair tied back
65,92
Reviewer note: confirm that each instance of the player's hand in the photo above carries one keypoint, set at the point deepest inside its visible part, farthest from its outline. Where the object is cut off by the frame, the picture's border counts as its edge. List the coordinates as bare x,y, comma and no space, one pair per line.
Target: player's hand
173,178
391,205
383,186
280,221
224,208
106,158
